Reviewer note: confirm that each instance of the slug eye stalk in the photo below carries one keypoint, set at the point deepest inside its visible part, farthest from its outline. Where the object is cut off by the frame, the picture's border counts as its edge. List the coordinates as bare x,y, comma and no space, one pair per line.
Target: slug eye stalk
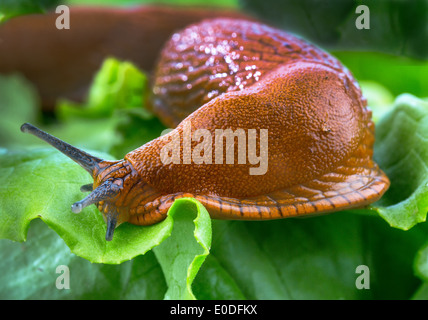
104,192
85,160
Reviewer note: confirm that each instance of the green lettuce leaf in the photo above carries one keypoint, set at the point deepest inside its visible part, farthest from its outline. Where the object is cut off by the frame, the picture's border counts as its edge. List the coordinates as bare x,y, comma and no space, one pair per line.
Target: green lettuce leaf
395,27
113,119
182,254
378,97
30,270
313,258
401,150
398,74
43,184
33,190
117,85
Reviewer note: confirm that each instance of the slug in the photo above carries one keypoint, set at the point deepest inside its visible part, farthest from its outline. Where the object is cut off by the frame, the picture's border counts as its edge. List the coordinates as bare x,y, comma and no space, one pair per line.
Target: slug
282,100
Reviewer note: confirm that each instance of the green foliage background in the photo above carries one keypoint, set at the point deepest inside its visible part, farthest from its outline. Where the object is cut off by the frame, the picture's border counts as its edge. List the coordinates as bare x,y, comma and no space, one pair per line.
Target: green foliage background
189,256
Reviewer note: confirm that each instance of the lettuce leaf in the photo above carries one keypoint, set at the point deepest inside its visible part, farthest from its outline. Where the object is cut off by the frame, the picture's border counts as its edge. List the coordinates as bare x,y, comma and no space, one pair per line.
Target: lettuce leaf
395,27
182,254
314,258
401,150
29,271
286,259
397,74
117,85
32,176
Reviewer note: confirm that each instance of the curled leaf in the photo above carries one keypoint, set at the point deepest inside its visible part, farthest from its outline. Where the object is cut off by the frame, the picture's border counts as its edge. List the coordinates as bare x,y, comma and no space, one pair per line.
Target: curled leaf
401,150
182,254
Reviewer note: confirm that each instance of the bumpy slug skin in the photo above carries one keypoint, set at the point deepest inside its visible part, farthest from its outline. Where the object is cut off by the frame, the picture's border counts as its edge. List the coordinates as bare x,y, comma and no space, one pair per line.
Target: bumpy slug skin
248,75
319,151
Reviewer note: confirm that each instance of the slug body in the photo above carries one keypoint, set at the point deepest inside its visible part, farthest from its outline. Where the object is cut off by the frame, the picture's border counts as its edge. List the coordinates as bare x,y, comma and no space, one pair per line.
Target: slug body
303,111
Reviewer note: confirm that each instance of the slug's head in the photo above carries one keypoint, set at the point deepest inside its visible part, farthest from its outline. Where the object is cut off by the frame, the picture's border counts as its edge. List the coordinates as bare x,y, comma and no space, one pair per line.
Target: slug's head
109,177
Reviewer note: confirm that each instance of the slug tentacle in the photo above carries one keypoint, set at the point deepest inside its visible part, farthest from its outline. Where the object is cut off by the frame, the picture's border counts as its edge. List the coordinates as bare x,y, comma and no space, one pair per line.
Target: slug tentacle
111,225
109,177
107,191
85,160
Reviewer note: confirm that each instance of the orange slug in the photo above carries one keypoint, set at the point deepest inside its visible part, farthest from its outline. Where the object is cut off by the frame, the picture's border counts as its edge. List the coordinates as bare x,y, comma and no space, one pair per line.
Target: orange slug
268,126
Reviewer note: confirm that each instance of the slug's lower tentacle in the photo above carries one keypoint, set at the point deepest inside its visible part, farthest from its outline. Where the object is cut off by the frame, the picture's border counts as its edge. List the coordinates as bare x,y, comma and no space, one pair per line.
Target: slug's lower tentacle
111,218
105,192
